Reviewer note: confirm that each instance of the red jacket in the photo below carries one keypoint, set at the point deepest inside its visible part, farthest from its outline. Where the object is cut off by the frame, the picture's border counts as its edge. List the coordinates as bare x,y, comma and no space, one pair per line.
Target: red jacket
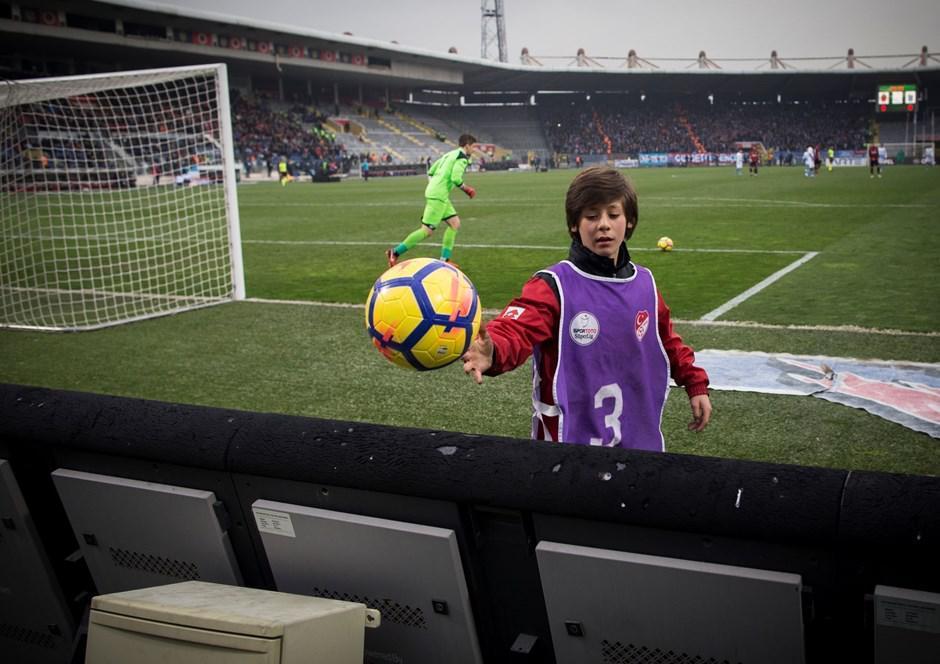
531,320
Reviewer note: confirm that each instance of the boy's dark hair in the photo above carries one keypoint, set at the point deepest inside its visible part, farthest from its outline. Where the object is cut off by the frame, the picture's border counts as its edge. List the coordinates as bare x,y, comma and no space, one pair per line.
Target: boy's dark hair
466,139
599,185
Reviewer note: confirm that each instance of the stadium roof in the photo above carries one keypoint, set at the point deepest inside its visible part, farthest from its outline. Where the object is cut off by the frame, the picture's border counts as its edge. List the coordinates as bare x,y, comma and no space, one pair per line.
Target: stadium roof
389,64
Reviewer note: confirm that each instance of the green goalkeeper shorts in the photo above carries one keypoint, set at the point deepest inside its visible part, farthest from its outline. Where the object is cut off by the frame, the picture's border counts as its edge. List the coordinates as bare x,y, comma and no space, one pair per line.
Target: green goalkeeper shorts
435,211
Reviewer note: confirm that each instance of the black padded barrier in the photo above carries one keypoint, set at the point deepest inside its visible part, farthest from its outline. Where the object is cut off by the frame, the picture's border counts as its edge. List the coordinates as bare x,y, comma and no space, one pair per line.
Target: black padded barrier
150,441
842,531
679,492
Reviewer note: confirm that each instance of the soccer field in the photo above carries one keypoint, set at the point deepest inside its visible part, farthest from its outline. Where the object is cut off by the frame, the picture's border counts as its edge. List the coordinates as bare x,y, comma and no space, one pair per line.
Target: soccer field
877,253
840,265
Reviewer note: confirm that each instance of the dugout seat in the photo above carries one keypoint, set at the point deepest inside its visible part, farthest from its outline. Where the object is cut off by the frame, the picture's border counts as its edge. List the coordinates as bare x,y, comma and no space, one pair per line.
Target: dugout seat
409,572
136,534
616,606
36,626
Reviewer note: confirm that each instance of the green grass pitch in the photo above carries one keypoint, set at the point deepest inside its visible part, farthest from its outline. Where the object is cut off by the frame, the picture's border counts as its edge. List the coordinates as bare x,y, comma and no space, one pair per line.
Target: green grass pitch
876,268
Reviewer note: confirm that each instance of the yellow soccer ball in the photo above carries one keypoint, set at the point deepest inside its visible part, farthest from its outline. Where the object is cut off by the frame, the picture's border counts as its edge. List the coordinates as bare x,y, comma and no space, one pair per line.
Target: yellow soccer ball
422,314
664,243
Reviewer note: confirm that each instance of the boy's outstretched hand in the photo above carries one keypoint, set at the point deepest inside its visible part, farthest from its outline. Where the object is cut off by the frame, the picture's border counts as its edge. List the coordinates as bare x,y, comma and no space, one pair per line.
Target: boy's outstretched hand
701,412
468,190
479,357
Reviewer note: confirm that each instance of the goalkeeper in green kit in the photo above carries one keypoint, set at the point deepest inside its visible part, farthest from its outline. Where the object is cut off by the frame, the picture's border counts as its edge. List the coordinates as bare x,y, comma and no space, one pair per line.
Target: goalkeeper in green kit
444,174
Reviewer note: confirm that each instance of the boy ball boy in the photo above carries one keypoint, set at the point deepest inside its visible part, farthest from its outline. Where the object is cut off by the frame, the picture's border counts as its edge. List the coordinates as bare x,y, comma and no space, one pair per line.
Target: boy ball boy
599,332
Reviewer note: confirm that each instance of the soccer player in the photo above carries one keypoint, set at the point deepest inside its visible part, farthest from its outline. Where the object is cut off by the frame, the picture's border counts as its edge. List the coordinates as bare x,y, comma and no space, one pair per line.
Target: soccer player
808,170
739,162
598,329
753,160
873,161
282,171
830,158
445,174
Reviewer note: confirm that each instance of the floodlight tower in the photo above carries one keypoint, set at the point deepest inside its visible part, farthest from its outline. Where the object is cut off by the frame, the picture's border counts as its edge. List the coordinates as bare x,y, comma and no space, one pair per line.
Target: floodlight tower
492,29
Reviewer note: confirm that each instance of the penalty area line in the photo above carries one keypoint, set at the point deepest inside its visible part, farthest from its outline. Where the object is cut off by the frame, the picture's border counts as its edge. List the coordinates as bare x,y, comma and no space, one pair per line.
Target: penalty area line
758,287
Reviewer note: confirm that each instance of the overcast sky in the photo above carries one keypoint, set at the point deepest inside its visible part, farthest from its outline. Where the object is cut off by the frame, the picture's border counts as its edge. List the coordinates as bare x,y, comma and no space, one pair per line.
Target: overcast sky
655,28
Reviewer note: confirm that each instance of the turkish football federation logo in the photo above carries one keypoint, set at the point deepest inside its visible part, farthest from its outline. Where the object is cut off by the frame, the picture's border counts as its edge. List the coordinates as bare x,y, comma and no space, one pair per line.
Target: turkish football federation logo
641,324
584,328
513,312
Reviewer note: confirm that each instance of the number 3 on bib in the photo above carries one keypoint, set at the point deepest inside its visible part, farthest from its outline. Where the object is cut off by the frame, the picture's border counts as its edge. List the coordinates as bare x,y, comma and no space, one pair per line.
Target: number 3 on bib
611,391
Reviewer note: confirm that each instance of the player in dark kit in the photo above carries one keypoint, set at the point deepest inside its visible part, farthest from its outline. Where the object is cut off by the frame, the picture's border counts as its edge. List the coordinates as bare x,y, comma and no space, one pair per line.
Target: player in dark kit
873,163
753,160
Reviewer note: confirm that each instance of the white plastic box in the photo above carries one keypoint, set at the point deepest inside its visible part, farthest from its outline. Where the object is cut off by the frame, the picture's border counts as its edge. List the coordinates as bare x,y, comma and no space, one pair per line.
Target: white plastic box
212,623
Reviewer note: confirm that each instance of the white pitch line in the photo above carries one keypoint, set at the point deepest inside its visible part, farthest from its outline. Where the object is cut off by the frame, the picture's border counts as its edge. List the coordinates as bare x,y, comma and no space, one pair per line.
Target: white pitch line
661,201
853,329
366,243
309,303
92,292
336,305
758,287
770,202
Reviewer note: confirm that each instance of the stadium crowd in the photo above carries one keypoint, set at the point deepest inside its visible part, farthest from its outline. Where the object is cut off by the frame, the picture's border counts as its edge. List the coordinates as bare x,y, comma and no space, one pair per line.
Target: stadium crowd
783,126
264,135
103,140
630,130
581,130
166,139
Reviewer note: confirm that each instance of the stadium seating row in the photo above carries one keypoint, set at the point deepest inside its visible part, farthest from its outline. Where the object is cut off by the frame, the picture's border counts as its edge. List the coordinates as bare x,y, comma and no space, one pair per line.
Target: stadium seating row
156,139
264,133
474,549
609,126
648,127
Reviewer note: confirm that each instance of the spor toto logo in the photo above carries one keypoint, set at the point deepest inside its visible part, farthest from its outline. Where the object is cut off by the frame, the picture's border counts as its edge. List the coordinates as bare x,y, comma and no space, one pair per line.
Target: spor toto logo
584,328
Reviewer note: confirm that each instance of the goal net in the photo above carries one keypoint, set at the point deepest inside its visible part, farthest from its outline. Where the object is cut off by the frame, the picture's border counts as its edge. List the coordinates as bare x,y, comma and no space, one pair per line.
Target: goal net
912,152
117,198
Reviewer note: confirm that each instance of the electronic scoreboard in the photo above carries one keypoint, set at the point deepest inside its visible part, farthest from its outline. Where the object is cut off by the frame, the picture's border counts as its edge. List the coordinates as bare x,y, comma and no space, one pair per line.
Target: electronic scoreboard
892,98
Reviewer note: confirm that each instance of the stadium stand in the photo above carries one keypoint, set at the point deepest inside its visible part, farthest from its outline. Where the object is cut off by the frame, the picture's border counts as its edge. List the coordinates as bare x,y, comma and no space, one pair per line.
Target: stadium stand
264,131
558,127
443,126
513,128
382,135
894,132
81,145
677,127
578,129
437,141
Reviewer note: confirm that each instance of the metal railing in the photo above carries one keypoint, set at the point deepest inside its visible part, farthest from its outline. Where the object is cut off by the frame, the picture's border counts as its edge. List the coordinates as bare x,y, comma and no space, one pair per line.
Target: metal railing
850,60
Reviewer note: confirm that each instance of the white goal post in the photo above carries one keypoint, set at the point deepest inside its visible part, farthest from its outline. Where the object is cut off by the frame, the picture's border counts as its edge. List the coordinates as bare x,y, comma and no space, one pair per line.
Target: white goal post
117,198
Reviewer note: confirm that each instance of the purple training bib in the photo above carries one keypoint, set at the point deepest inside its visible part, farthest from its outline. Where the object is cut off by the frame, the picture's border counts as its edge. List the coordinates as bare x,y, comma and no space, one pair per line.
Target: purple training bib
612,377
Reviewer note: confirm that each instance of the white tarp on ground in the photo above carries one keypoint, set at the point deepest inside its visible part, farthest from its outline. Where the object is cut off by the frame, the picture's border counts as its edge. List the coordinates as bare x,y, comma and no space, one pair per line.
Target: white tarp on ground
907,393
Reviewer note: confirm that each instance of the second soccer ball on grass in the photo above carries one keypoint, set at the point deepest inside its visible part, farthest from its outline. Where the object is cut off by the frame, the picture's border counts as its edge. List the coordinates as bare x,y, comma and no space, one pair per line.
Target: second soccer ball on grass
664,243
422,314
